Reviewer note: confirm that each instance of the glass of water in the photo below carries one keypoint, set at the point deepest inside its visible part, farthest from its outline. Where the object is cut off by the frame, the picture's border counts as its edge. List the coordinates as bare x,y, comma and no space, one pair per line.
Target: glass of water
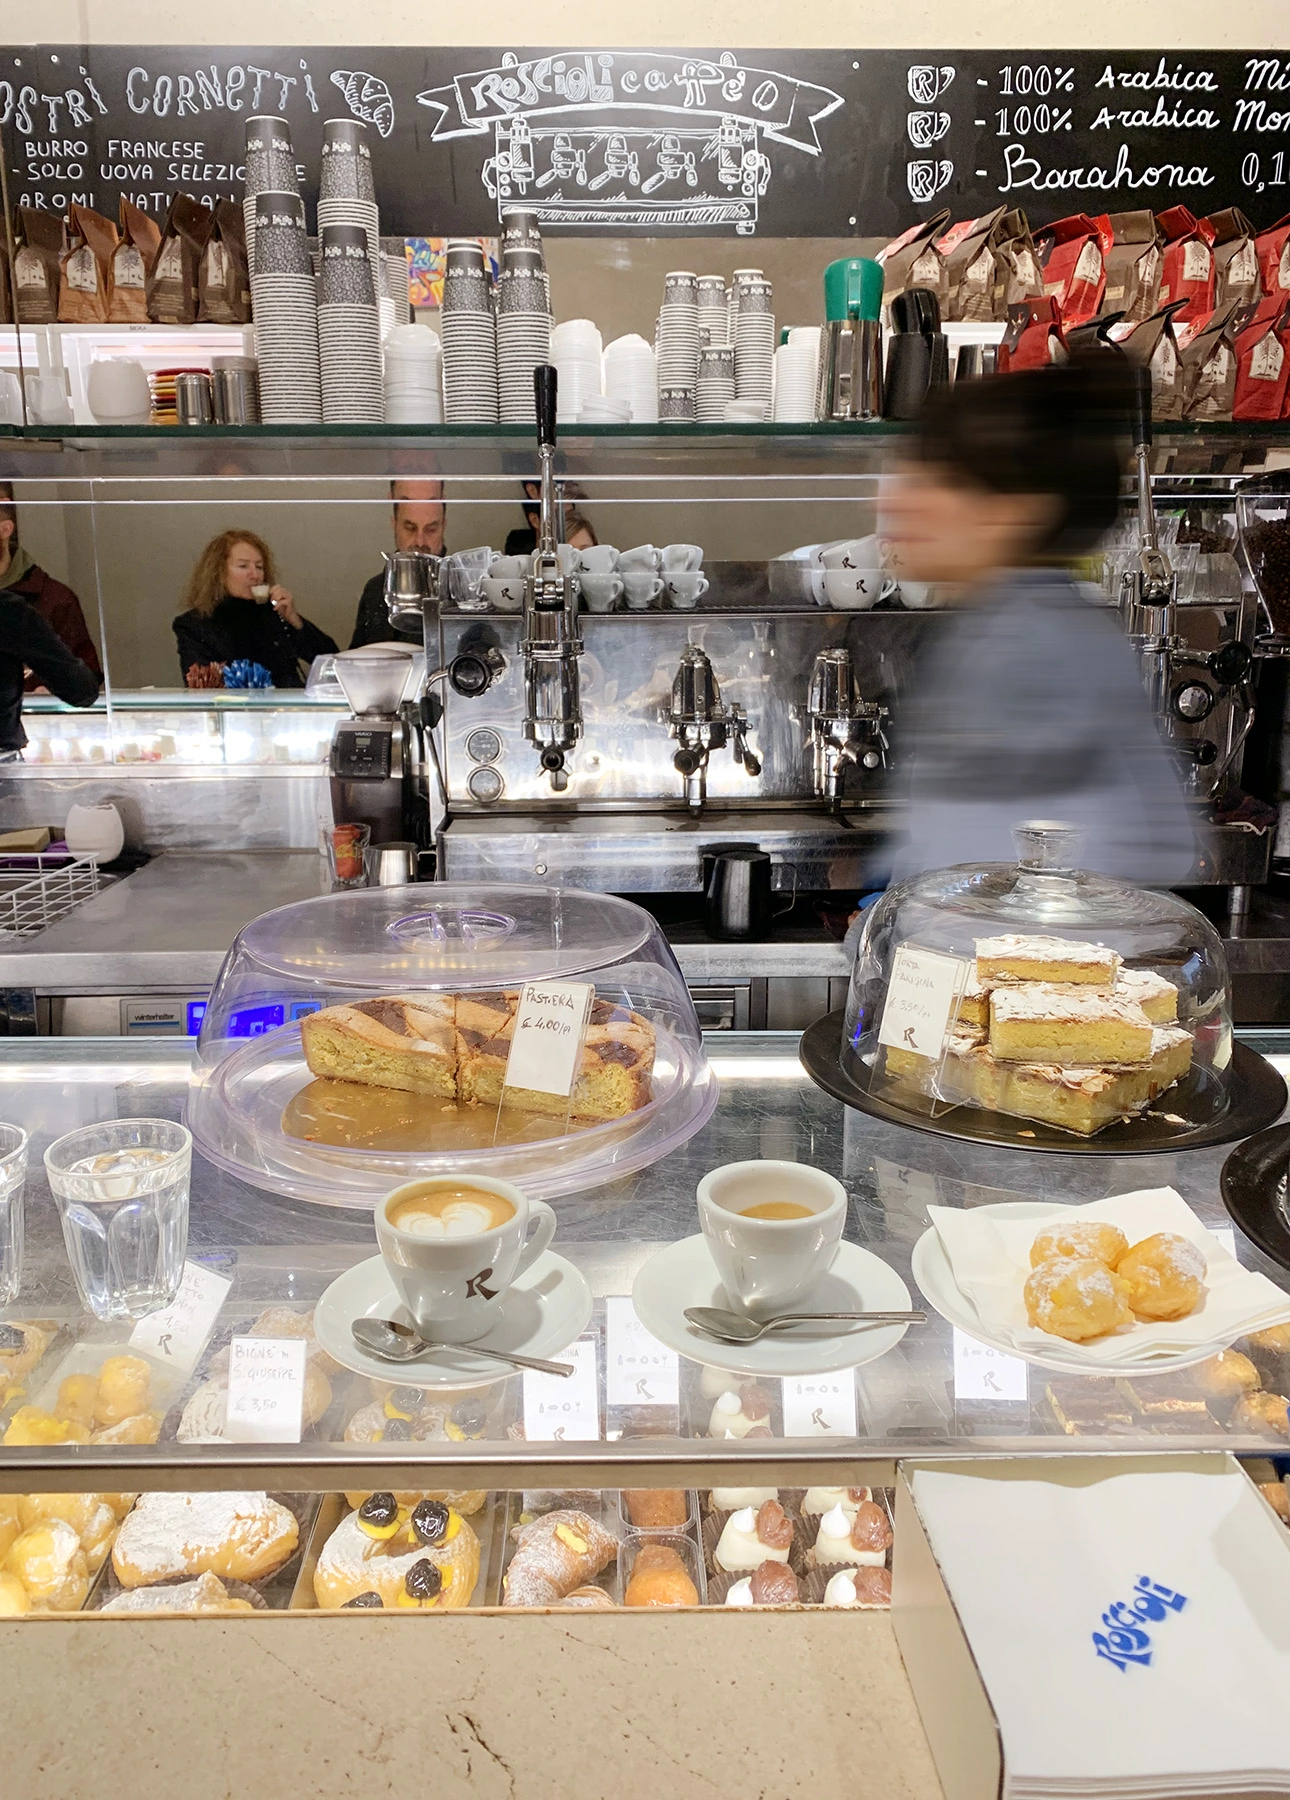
122,1195
13,1178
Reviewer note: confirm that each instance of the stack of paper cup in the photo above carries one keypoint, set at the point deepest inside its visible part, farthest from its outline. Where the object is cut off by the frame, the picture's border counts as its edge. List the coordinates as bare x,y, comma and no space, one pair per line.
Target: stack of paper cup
413,376
732,297
754,343
794,382
469,336
270,163
713,304
349,332
716,383
347,187
576,352
284,303
523,315
631,374
678,344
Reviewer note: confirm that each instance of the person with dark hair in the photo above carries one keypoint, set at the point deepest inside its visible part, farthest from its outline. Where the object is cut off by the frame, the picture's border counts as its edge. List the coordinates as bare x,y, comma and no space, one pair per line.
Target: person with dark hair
578,529
418,517
22,578
1028,702
29,645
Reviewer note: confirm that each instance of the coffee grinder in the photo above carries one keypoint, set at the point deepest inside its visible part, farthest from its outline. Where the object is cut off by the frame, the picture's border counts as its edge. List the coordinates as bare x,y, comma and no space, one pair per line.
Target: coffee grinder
373,758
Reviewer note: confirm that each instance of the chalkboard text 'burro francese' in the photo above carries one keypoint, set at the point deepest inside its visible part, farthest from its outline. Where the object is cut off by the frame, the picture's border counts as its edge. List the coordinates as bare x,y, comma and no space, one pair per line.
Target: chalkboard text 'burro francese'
777,142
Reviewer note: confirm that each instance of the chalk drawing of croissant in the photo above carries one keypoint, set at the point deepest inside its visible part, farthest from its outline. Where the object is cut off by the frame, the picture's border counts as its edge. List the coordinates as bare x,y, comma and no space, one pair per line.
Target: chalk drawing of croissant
367,97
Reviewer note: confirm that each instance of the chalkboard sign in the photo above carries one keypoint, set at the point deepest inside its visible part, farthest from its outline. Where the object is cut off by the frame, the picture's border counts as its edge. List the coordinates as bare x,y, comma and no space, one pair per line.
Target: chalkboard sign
784,143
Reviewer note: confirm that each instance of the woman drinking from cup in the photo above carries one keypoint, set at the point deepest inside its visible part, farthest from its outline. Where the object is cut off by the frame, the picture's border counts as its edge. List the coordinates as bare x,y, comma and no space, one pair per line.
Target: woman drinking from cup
237,612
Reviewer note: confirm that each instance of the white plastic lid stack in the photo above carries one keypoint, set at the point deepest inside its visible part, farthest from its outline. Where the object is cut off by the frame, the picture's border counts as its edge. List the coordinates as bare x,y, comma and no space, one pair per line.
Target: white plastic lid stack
631,374
413,376
1150,1657
576,353
794,382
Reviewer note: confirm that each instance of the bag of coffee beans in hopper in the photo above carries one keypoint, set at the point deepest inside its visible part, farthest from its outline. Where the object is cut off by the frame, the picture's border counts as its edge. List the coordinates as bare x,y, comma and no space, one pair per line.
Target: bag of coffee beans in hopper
1236,258
1209,366
1262,348
975,276
1152,345
1073,254
1273,249
131,261
172,283
223,283
1133,266
35,266
1188,272
86,270
912,260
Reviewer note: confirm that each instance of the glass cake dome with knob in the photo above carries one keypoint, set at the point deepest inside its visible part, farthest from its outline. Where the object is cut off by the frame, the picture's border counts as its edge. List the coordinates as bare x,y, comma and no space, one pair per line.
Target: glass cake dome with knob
1037,1004
356,1041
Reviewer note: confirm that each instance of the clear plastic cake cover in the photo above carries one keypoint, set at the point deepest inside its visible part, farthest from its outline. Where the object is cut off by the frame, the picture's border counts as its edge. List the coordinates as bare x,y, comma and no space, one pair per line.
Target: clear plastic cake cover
1042,993
359,1040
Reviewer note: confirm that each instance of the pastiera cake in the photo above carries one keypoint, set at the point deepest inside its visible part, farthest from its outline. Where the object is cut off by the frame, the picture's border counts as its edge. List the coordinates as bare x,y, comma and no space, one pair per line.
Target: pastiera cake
456,1047
1067,1024
1023,958
392,1042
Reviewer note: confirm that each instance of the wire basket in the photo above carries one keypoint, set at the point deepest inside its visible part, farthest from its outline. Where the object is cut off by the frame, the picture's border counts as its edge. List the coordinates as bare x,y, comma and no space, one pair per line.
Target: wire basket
44,890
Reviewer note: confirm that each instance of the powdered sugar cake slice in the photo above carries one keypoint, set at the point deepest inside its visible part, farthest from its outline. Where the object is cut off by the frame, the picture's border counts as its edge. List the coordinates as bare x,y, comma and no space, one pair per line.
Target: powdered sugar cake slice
1018,957
1067,1023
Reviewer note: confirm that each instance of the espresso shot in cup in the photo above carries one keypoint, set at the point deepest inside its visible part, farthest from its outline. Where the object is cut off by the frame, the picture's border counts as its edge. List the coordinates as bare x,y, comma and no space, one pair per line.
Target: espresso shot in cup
773,1230
454,1245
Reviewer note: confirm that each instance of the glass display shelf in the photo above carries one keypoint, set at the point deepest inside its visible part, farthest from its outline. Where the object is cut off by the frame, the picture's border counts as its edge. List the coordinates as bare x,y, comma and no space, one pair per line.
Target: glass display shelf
934,1393
178,728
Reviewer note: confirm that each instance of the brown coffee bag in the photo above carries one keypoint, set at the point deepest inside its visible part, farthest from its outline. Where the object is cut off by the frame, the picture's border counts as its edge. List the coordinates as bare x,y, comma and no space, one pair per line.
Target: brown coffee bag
975,275
35,266
1209,366
224,285
1152,345
912,260
85,270
1019,265
131,261
172,282
1236,258
1133,266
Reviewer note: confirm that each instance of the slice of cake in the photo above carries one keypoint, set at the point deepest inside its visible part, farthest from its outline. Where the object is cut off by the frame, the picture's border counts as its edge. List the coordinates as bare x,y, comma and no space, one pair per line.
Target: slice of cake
613,1077
974,1005
392,1042
1017,958
1067,1024
1157,997
1078,1100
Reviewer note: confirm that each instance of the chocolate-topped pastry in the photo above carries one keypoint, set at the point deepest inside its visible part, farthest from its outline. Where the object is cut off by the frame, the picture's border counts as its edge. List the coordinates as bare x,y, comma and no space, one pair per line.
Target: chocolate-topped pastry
773,1584
430,1521
378,1516
468,1419
11,1337
397,1431
422,1584
404,1402
367,1599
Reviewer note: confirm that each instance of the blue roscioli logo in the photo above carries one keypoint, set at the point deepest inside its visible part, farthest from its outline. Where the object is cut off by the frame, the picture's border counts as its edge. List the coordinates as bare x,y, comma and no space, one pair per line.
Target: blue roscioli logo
1125,1641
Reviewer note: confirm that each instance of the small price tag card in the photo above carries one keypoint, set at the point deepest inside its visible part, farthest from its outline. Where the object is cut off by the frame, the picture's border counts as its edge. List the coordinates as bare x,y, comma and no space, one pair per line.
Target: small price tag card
266,1390
564,1409
922,998
820,1405
179,1332
639,1371
546,1046
982,1373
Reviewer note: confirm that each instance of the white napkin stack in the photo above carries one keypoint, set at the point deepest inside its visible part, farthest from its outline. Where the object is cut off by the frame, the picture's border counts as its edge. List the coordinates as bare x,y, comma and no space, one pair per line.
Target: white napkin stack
990,1259
1034,1555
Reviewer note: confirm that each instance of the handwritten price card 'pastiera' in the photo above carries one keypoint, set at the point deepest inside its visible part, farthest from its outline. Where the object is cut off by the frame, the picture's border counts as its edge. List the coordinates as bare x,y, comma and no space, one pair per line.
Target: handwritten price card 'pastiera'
546,1045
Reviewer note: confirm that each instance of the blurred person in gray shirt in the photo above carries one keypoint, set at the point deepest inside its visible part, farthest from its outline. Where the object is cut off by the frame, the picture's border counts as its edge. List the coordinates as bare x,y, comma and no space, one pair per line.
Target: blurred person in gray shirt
1027,701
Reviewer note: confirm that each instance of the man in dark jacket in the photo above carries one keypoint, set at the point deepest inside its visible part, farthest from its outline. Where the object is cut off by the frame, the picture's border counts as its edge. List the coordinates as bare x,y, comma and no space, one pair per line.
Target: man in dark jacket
418,519
22,578
27,642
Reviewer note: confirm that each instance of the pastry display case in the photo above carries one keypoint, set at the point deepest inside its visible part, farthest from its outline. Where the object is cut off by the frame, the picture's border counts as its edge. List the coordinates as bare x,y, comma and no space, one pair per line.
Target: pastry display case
1040,1005
355,1041
161,730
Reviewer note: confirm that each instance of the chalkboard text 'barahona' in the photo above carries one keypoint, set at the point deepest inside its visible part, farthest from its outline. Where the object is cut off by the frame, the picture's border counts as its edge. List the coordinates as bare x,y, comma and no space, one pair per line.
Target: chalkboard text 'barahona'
1021,170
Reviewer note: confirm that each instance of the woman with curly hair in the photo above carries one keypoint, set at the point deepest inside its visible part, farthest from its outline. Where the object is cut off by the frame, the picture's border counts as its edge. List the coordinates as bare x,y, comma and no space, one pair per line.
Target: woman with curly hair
236,611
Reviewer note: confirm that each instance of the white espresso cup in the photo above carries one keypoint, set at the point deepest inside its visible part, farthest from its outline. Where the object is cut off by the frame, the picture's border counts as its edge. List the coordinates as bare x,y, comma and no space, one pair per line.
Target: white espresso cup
504,593
685,587
453,1281
600,591
598,559
642,556
768,1265
642,588
681,556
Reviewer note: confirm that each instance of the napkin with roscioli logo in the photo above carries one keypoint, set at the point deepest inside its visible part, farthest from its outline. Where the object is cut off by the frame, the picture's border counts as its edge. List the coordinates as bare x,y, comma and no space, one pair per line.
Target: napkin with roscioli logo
990,1260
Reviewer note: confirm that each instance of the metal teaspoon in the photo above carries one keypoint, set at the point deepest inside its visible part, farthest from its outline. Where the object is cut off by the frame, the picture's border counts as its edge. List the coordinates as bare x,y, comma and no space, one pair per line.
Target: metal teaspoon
733,1328
397,1343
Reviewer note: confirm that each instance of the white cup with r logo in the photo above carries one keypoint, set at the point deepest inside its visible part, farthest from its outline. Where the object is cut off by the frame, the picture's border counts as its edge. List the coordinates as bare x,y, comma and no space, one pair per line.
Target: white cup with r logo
454,1245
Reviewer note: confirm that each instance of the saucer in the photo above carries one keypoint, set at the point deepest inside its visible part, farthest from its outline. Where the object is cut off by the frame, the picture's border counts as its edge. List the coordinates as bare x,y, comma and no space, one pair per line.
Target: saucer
546,1308
934,1274
683,1274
